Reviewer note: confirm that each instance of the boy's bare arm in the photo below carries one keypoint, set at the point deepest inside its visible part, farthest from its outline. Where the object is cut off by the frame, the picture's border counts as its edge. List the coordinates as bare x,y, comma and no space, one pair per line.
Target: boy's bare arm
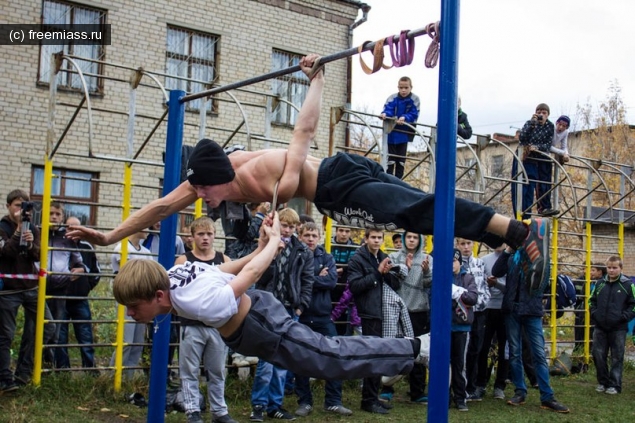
257,263
305,128
157,210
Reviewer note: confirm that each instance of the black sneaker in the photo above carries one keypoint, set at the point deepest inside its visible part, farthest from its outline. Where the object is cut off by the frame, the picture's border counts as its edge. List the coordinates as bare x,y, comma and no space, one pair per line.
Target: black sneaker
476,395
8,386
194,417
224,419
535,262
257,413
281,414
549,212
554,405
375,409
461,406
517,399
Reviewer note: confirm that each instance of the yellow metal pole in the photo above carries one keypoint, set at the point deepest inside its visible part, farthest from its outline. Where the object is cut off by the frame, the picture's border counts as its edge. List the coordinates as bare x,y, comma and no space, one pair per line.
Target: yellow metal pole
554,277
328,235
44,249
620,240
198,208
121,310
429,243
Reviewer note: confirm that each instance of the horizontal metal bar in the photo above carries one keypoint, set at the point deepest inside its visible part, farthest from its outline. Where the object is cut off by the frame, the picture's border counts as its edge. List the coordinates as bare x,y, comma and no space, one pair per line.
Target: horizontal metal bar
325,59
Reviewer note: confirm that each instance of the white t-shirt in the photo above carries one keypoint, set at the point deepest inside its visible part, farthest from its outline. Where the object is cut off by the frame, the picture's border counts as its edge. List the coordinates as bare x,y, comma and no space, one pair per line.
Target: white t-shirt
201,292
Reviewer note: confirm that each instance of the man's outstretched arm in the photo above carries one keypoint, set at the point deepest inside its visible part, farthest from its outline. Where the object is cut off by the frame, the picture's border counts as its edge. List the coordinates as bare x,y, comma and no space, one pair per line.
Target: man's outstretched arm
305,128
157,210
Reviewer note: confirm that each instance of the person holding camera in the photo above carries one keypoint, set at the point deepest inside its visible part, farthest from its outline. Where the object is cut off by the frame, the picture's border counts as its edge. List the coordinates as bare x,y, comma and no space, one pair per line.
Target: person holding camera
535,136
19,251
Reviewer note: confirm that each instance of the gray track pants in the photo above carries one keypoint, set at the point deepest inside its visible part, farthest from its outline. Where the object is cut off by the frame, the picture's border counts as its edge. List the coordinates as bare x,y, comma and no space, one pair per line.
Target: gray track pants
270,334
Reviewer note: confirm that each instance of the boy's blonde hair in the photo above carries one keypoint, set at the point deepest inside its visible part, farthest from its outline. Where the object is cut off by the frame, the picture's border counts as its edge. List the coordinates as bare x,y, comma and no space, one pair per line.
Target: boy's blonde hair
204,223
139,280
289,216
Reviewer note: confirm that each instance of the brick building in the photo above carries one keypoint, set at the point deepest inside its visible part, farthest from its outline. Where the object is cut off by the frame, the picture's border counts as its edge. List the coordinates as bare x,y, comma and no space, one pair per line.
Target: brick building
185,45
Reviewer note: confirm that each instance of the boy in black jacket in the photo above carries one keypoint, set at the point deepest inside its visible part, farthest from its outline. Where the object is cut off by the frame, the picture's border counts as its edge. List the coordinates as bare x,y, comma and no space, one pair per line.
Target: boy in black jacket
368,270
612,306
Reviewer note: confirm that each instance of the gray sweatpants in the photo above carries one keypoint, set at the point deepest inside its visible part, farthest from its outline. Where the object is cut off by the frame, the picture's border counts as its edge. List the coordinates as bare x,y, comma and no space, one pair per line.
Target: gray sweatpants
269,333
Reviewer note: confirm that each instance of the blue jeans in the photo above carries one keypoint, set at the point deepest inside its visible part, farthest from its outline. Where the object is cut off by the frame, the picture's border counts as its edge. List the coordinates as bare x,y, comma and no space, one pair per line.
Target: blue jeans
9,304
77,310
532,326
268,388
332,388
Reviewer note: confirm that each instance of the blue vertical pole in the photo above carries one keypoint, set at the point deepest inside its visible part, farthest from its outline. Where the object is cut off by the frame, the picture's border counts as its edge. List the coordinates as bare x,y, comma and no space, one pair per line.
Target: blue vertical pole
441,316
171,179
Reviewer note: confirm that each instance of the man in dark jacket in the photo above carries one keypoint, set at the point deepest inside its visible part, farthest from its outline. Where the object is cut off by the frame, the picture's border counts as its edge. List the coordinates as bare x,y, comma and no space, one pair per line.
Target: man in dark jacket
523,313
16,229
318,318
463,126
368,270
612,306
79,309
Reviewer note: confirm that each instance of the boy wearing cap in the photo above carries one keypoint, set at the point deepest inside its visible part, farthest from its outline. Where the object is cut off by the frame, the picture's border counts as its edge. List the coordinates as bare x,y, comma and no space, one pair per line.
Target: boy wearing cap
535,138
560,137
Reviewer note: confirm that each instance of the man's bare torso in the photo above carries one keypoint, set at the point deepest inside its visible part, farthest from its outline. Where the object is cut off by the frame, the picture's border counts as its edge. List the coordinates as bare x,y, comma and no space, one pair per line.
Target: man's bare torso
257,173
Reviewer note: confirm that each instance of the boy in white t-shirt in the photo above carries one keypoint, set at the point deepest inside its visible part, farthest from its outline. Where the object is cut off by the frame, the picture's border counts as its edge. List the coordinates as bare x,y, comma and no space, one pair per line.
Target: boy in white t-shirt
254,323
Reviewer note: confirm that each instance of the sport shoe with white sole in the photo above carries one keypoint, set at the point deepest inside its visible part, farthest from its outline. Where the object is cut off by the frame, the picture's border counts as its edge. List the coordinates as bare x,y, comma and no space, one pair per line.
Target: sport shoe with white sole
424,350
535,261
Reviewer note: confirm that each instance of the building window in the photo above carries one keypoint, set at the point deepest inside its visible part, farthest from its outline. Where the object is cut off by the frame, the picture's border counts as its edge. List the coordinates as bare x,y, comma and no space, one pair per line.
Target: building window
75,189
191,57
64,13
292,87
497,165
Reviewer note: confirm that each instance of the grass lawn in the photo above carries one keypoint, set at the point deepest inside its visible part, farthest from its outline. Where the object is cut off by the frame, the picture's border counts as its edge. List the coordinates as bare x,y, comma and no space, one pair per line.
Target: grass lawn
68,398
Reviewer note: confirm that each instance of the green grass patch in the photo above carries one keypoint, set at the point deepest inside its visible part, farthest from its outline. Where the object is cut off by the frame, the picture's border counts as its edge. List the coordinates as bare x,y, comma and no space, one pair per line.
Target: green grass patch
64,398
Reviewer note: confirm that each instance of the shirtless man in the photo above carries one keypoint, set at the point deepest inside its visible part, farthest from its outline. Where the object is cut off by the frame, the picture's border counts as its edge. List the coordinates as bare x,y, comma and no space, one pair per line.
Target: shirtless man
349,188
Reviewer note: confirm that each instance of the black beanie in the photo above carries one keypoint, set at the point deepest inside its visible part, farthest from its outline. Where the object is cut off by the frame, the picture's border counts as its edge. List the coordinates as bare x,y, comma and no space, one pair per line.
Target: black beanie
209,165
458,256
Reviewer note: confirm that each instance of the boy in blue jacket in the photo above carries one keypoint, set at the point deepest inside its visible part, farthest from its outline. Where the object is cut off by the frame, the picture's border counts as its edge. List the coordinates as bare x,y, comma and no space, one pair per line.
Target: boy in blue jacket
402,106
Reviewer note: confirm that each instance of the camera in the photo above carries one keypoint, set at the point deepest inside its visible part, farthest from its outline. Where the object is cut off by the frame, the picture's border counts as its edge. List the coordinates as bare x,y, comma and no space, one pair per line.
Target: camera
27,207
539,118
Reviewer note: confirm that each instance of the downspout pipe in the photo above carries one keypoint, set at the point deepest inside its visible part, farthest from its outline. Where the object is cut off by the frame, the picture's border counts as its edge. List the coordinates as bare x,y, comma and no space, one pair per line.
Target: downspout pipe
349,62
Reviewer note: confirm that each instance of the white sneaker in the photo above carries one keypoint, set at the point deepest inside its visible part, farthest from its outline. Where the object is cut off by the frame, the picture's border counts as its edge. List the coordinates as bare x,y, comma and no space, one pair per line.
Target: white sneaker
390,380
251,360
238,360
611,391
600,388
424,352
